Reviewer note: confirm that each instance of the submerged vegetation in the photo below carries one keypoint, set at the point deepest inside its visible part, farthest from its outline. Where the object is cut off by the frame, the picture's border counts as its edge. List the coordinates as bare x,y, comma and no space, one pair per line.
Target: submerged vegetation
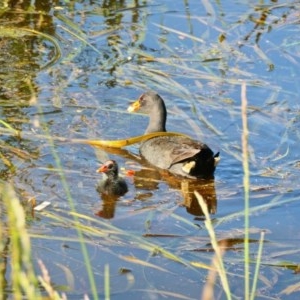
230,75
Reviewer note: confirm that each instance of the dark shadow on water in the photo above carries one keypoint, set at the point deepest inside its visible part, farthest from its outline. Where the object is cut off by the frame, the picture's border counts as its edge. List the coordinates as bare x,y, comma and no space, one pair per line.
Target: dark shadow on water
147,180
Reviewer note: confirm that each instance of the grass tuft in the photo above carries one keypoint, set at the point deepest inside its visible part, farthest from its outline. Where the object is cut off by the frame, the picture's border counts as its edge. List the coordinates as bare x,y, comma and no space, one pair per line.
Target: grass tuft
23,279
217,262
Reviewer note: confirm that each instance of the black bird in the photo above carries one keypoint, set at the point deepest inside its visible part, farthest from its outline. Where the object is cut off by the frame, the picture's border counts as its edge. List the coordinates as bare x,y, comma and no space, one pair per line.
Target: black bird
112,185
179,154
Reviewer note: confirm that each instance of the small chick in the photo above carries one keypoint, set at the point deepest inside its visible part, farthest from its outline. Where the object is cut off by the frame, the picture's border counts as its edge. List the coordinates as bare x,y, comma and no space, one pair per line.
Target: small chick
112,185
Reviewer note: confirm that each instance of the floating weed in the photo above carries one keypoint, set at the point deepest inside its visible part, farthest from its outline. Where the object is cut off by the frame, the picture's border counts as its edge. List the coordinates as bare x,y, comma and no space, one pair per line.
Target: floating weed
183,34
8,126
70,278
69,23
7,162
183,220
82,39
12,32
291,289
17,151
140,242
65,221
111,235
165,294
59,238
140,262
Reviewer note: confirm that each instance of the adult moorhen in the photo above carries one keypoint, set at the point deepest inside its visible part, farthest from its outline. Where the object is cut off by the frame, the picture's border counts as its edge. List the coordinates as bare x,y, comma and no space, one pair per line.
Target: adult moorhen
179,154
112,185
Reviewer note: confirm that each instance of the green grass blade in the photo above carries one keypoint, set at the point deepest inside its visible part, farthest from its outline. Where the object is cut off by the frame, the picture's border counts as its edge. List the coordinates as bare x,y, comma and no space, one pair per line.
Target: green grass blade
257,266
246,185
106,282
219,259
23,278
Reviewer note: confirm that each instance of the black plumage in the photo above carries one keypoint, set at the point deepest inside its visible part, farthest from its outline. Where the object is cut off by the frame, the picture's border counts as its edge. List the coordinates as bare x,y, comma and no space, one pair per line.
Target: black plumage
112,185
180,155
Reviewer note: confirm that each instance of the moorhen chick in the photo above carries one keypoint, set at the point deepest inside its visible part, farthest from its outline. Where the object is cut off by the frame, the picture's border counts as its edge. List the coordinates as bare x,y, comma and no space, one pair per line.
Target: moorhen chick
180,155
112,185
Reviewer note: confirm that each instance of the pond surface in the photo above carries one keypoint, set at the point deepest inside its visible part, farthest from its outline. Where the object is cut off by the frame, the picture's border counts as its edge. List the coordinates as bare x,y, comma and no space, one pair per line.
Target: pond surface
70,69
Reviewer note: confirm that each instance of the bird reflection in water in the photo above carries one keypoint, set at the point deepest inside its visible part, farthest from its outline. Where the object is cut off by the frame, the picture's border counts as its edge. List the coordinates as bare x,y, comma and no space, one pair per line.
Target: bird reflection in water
187,187
108,208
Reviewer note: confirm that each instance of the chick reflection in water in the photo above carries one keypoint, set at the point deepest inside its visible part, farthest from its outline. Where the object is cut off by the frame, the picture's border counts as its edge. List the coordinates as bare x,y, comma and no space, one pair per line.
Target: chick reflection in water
111,188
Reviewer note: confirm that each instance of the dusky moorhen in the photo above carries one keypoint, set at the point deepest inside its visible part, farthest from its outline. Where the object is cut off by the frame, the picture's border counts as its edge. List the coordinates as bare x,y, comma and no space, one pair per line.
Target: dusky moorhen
179,154
112,185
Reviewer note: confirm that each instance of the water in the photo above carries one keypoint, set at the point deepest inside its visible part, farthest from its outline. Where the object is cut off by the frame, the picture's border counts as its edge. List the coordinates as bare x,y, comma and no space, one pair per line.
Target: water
108,54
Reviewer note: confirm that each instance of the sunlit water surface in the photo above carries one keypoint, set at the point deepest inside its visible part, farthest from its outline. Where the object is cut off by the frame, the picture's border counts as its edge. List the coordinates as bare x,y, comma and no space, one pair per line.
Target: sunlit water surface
196,55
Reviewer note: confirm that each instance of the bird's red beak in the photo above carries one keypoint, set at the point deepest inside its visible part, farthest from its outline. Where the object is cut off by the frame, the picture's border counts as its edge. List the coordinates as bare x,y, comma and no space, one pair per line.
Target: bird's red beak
102,169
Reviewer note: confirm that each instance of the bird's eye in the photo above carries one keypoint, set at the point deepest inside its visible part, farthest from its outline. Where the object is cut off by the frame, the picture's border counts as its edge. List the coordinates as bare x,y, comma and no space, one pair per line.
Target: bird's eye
110,166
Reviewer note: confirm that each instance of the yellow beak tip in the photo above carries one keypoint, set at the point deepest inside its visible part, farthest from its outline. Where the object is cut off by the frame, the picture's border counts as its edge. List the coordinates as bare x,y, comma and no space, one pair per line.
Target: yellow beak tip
130,108
134,106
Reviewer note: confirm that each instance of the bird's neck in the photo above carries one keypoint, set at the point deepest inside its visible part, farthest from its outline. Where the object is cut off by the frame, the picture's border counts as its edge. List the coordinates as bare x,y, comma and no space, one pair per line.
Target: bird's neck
111,177
157,121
